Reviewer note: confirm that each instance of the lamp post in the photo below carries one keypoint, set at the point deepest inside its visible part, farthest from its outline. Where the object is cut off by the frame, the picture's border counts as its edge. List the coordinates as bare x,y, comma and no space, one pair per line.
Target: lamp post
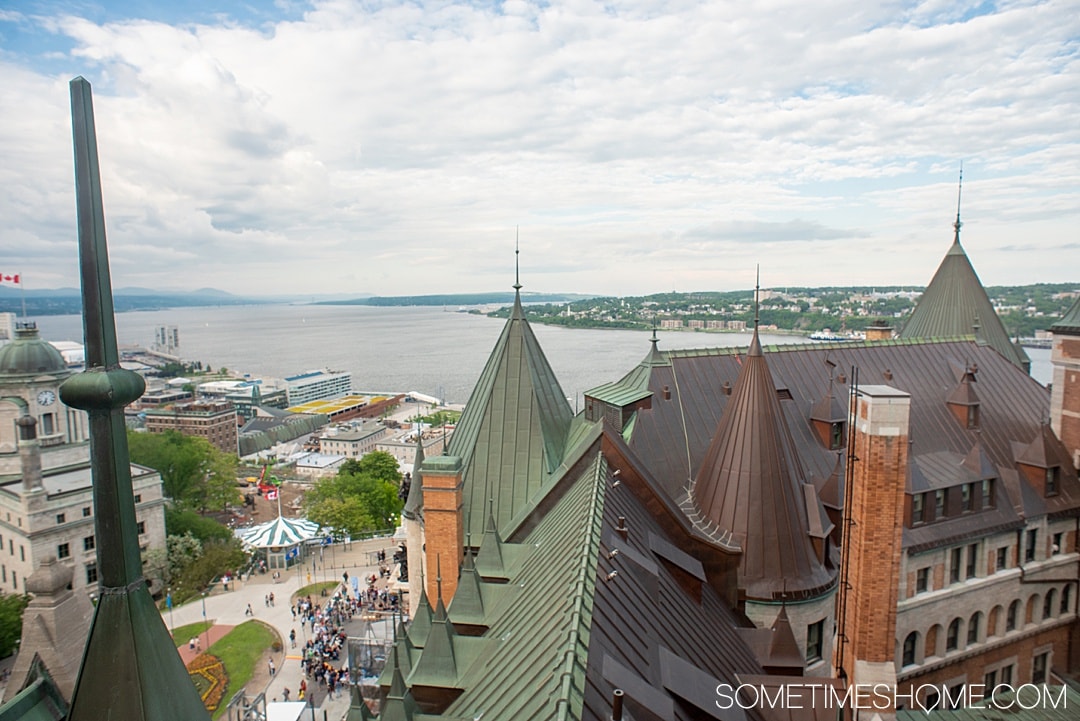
206,631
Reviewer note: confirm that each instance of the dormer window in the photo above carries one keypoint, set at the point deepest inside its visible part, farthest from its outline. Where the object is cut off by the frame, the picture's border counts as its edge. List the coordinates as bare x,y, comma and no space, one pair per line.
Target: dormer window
965,497
917,508
988,493
964,401
836,436
939,505
1053,475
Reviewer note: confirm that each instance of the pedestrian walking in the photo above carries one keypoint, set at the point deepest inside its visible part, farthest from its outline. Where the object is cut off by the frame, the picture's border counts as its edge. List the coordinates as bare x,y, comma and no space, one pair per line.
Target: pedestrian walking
248,611
292,637
270,665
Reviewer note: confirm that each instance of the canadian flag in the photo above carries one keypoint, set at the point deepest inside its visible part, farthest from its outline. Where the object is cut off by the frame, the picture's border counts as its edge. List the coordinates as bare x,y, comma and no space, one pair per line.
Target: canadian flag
13,279
272,495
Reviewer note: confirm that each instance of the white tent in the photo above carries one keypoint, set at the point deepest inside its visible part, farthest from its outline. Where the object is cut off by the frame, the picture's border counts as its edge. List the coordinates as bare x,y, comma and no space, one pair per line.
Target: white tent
279,532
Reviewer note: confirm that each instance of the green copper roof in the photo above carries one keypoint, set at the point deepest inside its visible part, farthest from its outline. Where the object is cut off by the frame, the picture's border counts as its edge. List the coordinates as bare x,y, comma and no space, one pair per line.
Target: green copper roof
489,560
130,669
420,625
1069,324
28,354
513,432
529,675
467,606
414,502
955,303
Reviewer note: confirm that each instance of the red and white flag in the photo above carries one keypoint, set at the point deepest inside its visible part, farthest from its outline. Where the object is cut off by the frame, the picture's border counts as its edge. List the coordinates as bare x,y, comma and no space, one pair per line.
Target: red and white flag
271,495
10,279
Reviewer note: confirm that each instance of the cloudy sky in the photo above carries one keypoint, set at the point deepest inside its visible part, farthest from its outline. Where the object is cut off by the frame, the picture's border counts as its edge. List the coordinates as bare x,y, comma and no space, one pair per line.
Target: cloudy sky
640,146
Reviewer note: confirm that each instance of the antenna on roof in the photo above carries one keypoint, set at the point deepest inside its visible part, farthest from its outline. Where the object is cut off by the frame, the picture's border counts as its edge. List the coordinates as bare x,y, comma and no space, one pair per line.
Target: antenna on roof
959,188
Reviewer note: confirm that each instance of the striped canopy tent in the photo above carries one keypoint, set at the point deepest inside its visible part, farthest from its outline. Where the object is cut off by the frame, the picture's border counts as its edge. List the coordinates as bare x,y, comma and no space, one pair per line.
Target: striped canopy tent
280,542
280,532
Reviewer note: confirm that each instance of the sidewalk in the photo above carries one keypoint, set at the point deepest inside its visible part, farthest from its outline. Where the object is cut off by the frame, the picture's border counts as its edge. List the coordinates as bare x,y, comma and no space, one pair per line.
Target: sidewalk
226,609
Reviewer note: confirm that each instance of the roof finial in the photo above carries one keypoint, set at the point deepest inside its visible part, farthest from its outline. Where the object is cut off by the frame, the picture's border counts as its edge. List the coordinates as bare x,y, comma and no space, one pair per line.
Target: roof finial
517,264
757,291
959,188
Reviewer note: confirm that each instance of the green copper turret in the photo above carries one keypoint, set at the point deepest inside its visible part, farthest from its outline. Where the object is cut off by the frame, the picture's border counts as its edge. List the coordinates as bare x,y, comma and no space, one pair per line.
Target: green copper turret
130,668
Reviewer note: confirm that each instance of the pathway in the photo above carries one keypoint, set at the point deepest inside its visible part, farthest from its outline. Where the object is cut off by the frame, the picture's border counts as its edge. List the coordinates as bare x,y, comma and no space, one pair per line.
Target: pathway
226,609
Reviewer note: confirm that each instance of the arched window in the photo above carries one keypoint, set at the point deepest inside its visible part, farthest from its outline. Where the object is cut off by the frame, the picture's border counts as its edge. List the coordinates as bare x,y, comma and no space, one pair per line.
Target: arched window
1048,604
1010,617
1066,601
909,648
993,620
1032,604
952,637
973,627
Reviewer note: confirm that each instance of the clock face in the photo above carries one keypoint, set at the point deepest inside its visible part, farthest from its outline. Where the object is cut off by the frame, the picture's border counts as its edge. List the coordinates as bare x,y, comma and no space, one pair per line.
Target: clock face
46,398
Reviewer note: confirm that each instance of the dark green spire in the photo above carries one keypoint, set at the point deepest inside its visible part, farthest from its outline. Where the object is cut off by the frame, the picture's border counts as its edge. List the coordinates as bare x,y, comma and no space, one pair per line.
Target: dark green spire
414,502
130,669
955,303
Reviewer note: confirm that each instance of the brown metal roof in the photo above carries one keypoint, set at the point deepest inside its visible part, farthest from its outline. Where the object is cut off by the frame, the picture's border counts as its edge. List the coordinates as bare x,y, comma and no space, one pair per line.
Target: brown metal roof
671,438
752,486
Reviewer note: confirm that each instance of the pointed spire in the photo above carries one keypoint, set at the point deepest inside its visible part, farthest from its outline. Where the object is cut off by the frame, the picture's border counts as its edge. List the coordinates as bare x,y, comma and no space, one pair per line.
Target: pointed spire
414,502
420,625
750,484
400,704
489,560
954,297
437,665
128,639
358,708
517,264
755,341
956,225
467,606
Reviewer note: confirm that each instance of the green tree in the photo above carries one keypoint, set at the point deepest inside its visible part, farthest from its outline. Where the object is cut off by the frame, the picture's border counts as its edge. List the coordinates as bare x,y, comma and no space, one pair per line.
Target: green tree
179,521
11,611
194,473
217,558
361,498
169,563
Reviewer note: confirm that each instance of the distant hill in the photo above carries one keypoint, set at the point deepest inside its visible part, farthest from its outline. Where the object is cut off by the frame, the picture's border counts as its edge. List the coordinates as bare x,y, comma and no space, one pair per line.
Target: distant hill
459,299
66,301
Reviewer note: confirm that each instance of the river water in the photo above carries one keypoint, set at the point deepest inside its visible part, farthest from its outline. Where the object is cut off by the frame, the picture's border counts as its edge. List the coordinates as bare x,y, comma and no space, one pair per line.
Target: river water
425,349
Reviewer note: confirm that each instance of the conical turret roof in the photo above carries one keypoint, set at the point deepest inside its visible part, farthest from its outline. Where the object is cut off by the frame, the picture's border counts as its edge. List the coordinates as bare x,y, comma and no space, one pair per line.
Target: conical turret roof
956,304
513,432
414,502
751,485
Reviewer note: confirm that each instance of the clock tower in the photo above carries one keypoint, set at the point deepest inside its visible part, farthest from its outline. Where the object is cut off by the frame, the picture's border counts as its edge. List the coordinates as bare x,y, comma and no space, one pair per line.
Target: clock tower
31,371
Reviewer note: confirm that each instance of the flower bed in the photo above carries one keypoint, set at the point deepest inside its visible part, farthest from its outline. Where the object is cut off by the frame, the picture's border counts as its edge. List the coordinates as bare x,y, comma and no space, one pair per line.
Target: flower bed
208,674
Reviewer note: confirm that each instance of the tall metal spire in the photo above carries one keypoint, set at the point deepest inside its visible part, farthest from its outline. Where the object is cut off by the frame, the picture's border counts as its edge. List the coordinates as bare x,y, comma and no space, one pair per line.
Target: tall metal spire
959,188
757,292
517,265
130,668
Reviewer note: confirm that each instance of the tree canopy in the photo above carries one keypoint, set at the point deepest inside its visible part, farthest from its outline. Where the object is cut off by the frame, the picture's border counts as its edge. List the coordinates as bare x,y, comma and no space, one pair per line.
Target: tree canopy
11,611
194,473
361,498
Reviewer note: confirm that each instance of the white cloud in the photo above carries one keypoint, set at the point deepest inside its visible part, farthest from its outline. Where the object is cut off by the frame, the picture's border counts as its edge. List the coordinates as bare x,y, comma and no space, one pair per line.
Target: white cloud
388,147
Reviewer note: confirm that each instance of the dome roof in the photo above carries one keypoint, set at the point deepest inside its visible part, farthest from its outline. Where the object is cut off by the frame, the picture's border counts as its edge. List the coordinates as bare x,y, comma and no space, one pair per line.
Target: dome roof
29,354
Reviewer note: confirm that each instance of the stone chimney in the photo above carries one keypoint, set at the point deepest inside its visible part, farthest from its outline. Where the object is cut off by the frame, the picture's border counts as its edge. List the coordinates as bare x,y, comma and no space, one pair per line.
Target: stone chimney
444,524
879,330
29,454
872,542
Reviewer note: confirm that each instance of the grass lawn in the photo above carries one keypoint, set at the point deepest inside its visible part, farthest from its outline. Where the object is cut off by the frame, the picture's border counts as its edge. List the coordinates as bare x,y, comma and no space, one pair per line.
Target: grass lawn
183,634
239,651
316,589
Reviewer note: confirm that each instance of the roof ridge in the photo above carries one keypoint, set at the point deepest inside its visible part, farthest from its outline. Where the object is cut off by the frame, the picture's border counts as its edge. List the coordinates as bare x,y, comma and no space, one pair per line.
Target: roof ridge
581,613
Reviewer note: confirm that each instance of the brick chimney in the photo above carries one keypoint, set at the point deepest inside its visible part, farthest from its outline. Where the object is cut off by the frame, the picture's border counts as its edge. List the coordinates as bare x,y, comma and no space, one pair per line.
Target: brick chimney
1065,389
444,524
872,542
